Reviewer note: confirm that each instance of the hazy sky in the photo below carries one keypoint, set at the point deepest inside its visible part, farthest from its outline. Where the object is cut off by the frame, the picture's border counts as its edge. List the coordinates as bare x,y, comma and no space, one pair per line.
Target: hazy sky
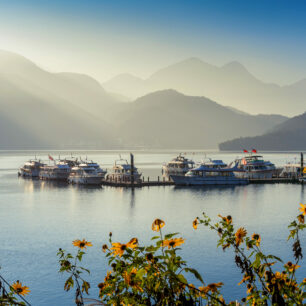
106,37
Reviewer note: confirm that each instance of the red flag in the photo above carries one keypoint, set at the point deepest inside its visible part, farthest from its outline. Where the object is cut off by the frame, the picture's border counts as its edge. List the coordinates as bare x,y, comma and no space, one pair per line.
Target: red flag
50,157
254,151
245,151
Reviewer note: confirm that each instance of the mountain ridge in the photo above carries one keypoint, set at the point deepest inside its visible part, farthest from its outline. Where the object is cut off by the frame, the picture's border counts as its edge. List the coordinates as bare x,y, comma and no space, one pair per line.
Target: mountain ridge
231,85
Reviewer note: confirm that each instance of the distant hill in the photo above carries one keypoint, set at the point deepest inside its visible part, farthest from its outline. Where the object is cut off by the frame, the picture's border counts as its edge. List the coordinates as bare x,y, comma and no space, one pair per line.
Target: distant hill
289,135
168,119
41,109
231,85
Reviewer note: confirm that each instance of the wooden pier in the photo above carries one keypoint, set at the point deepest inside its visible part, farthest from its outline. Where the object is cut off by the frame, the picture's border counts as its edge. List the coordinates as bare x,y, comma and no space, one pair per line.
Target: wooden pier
144,183
275,180
164,182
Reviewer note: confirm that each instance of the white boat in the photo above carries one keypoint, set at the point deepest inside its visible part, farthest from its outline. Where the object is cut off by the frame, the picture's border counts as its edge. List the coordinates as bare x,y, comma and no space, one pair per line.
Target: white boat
123,172
254,167
59,171
214,164
86,174
96,166
205,175
178,166
31,168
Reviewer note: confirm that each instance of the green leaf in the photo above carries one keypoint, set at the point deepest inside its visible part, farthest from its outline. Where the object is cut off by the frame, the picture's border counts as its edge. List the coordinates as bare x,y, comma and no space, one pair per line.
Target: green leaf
168,236
195,273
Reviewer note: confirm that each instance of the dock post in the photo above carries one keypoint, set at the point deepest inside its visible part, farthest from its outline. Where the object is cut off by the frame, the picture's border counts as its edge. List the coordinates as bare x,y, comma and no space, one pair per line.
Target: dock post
302,164
143,178
148,179
132,169
163,179
158,178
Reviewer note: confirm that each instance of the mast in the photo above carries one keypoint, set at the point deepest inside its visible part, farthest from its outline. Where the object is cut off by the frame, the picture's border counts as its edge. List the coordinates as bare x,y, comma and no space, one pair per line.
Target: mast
302,164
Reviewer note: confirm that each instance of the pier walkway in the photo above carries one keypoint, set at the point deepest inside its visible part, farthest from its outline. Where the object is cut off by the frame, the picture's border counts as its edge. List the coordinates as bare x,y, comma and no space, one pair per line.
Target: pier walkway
149,183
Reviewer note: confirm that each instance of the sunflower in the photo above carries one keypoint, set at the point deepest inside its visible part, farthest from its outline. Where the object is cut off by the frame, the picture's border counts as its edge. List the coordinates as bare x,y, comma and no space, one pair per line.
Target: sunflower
128,277
118,248
19,289
257,238
227,219
173,243
81,244
213,287
250,288
195,223
301,218
240,234
133,243
244,279
291,267
303,209
157,225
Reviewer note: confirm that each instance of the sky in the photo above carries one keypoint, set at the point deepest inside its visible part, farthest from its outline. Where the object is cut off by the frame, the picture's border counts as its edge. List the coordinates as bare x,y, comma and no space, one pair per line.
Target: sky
104,38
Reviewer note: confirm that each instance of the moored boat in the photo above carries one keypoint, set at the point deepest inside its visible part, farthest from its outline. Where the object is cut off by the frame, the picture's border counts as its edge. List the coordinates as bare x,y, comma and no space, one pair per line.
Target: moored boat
254,167
59,171
205,175
86,174
179,165
122,171
31,168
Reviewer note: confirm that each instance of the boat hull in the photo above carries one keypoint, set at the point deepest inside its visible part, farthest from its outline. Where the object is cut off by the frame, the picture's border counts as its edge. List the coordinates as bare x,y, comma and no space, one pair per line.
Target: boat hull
26,173
59,176
265,174
90,180
201,181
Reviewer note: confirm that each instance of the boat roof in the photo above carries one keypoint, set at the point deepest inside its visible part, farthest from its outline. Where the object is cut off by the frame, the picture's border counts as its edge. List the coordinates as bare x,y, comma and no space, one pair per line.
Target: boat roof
204,167
215,162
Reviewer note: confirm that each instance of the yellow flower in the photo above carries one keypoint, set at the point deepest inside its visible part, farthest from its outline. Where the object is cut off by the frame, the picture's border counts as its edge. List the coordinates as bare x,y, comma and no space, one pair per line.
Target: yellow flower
157,225
19,289
303,209
245,278
227,219
82,244
133,243
291,267
173,243
240,234
250,288
118,248
128,277
195,223
304,280
301,218
257,238
213,287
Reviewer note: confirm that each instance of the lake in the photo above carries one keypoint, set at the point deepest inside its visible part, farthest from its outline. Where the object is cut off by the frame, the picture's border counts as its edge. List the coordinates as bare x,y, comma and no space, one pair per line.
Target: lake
38,217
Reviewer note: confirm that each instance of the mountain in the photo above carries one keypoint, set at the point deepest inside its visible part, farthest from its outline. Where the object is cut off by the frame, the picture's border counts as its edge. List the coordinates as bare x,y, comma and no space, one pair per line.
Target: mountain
78,89
169,119
231,85
289,135
43,110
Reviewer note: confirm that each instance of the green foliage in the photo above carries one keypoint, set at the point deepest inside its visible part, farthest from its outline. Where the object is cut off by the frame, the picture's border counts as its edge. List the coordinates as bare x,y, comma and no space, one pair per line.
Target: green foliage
157,275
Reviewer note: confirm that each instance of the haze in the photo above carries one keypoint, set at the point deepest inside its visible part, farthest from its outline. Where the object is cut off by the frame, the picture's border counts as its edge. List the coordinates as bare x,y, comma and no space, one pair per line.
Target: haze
152,74
106,38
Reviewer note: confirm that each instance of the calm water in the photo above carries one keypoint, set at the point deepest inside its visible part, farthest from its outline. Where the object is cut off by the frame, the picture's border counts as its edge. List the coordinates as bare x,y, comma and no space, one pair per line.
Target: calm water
36,218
